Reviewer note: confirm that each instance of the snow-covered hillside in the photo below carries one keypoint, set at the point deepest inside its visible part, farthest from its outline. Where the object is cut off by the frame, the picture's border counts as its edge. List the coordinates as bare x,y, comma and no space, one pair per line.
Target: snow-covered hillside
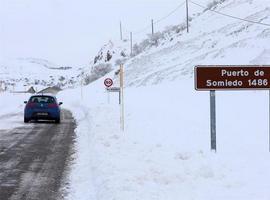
213,39
109,57
164,152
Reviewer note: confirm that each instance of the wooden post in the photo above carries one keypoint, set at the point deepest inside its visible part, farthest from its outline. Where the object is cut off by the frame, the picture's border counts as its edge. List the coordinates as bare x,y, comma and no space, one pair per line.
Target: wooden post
122,118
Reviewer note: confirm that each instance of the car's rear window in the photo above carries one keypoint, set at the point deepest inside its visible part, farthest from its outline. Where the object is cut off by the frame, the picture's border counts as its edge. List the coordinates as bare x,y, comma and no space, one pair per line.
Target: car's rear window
42,99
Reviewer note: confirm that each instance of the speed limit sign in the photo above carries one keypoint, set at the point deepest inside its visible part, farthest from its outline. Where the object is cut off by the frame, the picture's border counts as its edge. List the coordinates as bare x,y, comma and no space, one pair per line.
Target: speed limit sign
108,82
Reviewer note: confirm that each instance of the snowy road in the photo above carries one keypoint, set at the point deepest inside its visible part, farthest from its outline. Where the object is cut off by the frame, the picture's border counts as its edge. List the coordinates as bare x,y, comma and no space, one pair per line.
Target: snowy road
33,159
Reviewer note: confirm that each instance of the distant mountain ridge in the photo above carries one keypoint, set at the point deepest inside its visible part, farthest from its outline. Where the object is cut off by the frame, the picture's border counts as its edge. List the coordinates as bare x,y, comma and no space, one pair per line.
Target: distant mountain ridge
45,63
21,72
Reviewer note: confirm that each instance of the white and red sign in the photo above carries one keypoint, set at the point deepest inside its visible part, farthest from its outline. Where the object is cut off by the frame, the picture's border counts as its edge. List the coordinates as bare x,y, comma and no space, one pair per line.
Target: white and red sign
108,82
113,89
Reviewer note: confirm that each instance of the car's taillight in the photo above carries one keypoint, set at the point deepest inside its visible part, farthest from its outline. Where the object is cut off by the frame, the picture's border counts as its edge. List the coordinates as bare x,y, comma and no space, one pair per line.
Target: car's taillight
52,105
30,105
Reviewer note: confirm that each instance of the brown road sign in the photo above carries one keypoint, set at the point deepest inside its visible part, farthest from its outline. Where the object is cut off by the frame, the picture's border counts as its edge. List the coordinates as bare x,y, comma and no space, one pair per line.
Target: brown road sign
232,77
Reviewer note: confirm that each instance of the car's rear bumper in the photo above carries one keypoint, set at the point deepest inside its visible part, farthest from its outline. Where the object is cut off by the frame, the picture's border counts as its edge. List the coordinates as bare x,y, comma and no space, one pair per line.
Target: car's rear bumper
42,115
47,117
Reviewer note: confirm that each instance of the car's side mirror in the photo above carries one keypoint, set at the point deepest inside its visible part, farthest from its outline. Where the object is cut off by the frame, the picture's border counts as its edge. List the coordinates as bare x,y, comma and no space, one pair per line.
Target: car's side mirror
60,103
25,102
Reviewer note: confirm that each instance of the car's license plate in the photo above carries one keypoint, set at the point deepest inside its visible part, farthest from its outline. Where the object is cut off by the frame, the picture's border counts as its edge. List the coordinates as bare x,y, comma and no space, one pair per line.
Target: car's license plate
42,114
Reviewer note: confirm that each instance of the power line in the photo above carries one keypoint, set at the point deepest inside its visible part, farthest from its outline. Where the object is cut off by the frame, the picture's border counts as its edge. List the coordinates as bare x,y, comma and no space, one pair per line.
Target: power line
169,14
142,30
227,15
161,19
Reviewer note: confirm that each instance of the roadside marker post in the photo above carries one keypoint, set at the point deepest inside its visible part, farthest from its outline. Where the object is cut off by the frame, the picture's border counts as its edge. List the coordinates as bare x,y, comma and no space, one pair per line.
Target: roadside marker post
230,77
122,116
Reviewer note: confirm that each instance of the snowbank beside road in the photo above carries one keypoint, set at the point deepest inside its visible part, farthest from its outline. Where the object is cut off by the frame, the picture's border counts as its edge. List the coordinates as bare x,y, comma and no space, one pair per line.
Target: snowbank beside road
11,109
164,152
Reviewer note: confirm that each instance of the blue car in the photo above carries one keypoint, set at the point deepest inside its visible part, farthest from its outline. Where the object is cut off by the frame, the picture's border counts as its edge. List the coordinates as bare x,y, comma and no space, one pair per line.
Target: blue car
42,107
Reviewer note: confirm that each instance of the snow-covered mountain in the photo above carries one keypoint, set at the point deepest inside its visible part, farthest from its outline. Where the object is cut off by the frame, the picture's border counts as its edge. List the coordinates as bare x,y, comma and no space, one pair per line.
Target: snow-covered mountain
17,74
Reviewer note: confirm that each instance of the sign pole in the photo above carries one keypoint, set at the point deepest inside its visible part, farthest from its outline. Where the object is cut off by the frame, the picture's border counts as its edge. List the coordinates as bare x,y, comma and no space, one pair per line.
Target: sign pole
269,120
213,119
119,97
108,97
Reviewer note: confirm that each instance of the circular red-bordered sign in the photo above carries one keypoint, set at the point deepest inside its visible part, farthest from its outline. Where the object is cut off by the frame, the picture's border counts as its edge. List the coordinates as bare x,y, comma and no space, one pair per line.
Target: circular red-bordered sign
108,82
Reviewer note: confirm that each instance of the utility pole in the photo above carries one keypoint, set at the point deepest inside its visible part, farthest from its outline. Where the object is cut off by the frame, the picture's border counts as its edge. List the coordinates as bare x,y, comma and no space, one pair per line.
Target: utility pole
82,87
121,32
187,16
131,45
152,23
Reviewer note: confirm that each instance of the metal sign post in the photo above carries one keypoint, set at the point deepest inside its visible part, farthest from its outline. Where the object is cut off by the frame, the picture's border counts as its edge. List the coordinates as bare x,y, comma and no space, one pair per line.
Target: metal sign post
119,97
230,77
115,89
213,120
108,97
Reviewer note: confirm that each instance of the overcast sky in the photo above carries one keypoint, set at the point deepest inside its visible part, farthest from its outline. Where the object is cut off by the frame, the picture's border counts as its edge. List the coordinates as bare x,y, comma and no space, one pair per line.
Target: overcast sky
70,32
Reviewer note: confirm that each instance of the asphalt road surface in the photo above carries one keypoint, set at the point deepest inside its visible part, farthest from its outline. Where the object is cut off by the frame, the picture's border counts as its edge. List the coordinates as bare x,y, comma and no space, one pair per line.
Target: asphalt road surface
34,158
